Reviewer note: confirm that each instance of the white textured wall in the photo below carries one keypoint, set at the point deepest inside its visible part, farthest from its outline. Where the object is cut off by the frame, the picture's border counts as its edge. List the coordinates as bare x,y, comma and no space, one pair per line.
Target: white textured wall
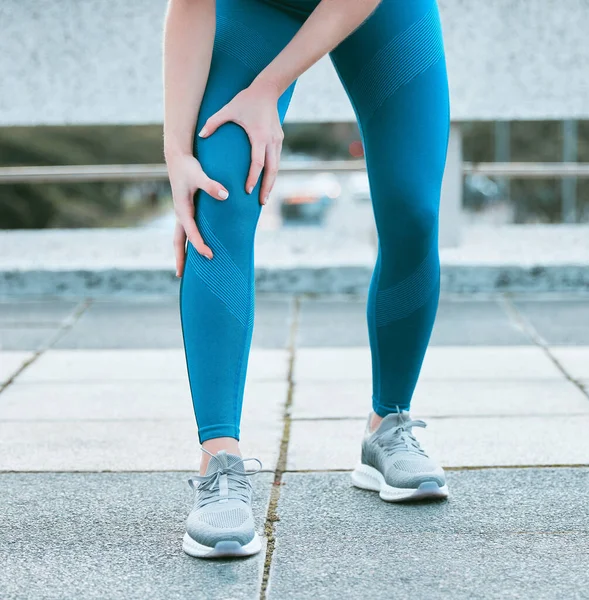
99,61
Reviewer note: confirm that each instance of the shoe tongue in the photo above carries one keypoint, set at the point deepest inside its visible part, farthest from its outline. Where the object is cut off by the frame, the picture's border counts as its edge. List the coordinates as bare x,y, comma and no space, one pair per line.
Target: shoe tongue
222,460
392,420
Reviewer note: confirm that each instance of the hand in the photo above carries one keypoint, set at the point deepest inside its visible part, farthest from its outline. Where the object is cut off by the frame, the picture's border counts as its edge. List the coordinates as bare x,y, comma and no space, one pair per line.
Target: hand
255,109
186,177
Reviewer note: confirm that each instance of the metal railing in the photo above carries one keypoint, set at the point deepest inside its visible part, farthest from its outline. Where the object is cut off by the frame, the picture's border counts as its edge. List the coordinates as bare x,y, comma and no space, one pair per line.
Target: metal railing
158,172
526,170
155,172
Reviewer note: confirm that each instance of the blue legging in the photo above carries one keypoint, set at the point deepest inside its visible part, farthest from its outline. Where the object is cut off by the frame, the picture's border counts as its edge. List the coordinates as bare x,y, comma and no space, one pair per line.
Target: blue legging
393,70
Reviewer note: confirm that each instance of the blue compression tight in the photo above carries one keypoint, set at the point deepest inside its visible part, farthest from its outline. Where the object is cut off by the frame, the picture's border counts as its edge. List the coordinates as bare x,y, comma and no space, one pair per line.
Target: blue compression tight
394,72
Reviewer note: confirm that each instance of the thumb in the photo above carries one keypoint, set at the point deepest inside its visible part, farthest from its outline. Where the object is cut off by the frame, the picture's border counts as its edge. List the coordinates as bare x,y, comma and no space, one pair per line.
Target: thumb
214,122
210,186
213,188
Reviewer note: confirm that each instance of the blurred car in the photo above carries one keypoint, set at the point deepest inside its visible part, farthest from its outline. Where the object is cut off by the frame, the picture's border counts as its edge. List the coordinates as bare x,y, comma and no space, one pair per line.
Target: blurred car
358,187
480,191
305,198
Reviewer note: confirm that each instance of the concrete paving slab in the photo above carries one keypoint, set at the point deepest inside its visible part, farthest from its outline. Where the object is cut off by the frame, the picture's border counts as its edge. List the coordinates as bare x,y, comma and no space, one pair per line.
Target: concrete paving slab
352,399
155,323
136,323
272,321
149,445
477,323
455,442
27,338
127,400
35,312
563,321
497,537
10,362
432,566
449,363
342,322
116,536
481,501
142,365
332,322
575,360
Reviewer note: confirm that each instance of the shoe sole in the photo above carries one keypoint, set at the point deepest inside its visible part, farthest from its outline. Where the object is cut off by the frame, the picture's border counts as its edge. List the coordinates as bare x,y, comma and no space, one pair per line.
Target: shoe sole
368,478
222,549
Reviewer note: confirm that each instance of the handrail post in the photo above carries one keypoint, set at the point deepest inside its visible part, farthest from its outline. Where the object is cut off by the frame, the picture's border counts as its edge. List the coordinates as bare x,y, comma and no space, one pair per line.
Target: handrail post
503,154
451,200
569,184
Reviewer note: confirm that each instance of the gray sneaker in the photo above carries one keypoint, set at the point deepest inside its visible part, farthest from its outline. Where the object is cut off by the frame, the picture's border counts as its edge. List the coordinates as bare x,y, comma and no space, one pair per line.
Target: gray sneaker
221,522
394,464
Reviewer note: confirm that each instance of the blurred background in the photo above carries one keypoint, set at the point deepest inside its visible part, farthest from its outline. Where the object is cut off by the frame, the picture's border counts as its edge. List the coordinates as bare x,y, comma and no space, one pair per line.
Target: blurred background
322,200
81,106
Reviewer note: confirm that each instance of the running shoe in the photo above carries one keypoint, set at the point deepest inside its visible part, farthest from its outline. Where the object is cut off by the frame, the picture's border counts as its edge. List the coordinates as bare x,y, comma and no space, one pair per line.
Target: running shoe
394,464
221,523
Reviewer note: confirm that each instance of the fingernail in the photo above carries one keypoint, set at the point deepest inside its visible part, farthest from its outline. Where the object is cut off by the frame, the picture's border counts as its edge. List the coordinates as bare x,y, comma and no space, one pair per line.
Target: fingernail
209,256
266,199
223,194
202,132
250,189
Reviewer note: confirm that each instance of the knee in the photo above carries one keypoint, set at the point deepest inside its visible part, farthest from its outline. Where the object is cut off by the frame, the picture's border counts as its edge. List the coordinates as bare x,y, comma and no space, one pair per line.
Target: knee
419,219
410,215
225,157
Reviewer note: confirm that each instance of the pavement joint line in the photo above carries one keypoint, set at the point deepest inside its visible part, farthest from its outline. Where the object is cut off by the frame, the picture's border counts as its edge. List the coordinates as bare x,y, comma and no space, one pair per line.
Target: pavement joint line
298,419
520,322
547,532
444,417
105,471
535,336
115,381
66,324
31,325
99,420
438,379
287,471
272,514
459,468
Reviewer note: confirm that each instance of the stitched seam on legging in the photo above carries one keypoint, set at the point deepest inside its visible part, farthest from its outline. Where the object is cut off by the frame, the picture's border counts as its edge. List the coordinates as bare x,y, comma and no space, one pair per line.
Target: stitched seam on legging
406,56
375,328
220,274
243,43
182,327
246,332
405,297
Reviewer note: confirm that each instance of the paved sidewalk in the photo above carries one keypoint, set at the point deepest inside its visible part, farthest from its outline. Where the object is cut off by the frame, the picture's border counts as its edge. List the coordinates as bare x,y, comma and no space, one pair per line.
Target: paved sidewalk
97,439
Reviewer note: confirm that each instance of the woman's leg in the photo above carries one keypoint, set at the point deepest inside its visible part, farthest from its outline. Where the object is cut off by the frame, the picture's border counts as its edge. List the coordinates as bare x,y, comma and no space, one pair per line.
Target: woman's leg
217,296
394,71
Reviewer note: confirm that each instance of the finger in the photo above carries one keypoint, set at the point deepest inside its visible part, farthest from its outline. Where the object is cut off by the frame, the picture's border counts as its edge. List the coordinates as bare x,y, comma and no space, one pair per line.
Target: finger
270,172
214,122
179,248
194,237
186,218
257,164
213,188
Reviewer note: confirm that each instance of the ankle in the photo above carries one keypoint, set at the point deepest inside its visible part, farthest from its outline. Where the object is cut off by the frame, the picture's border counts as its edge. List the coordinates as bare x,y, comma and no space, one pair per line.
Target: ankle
375,421
229,444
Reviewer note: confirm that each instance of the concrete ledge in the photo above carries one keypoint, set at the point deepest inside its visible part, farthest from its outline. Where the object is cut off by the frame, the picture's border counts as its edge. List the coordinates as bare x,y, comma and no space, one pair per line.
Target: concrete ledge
99,62
100,262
